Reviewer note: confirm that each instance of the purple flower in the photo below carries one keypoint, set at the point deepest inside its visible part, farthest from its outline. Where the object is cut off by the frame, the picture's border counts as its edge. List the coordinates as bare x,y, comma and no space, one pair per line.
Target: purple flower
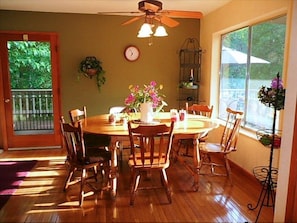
277,83
273,96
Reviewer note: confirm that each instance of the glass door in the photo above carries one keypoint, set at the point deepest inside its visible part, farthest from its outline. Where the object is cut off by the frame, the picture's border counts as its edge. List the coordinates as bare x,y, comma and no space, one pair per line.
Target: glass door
31,96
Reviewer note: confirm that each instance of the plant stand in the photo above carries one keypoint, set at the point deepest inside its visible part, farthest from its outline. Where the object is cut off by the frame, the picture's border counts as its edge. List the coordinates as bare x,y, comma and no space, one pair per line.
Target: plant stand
267,175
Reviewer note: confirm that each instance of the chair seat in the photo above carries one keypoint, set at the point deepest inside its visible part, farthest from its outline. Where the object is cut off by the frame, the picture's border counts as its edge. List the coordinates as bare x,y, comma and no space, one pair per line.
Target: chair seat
98,154
213,148
156,163
96,140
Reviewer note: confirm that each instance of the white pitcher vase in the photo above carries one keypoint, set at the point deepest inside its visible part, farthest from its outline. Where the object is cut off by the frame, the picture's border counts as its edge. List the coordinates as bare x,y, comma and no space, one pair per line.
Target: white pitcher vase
146,112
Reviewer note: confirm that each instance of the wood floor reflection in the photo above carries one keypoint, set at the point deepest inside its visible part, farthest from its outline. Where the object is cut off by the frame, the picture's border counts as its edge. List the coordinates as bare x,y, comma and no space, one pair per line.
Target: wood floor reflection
41,197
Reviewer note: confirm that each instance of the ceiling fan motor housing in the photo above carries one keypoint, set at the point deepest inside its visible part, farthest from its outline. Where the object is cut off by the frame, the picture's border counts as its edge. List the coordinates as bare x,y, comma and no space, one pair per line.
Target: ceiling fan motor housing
150,5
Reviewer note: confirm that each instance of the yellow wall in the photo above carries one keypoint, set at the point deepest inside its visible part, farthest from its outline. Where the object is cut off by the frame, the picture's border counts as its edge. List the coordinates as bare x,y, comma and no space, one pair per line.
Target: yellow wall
232,16
236,14
104,37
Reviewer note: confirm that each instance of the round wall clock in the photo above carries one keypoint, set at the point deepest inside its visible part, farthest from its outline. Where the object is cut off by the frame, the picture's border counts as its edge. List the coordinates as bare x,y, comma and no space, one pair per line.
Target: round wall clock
131,53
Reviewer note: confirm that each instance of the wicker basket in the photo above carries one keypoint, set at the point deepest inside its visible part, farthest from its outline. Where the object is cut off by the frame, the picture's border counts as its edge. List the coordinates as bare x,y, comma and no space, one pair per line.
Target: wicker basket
261,173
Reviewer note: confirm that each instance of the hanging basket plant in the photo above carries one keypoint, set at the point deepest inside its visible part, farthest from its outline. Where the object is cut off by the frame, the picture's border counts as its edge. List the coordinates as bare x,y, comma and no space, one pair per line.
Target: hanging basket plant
91,67
266,138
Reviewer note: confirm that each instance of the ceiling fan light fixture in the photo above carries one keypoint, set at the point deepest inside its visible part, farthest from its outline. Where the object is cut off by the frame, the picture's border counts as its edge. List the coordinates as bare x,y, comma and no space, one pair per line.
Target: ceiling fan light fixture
145,31
160,31
143,35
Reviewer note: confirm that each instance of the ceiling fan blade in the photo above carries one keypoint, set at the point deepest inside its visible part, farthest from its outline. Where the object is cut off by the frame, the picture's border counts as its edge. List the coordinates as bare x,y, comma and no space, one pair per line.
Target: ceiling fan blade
150,5
121,13
182,14
167,21
132,20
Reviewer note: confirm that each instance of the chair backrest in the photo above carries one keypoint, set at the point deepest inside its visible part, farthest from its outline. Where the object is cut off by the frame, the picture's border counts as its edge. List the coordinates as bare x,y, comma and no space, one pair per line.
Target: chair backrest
153,145
116,109
91,140
73,141
121,109
77,114
231,130
204,110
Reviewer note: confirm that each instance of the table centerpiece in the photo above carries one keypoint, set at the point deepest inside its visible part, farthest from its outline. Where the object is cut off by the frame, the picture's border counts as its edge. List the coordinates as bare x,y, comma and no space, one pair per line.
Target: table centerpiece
145,99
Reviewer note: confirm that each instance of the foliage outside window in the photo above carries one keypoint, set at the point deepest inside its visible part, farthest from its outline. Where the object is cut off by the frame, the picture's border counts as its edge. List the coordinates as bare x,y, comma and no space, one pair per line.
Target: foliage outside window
31,67
241,79
30,71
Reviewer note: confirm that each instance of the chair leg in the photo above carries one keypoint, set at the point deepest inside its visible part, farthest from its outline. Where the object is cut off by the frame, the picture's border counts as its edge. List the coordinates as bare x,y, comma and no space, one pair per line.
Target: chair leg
165,183
81,194
119,145
187,149
95,170
228,168
106,175
68,179
135,177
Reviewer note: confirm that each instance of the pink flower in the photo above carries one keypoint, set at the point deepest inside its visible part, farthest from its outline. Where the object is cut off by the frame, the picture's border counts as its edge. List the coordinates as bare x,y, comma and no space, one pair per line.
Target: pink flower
149,93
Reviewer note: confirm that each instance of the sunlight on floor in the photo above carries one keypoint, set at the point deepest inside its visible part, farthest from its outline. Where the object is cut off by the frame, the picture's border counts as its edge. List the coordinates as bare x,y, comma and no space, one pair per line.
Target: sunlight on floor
34,158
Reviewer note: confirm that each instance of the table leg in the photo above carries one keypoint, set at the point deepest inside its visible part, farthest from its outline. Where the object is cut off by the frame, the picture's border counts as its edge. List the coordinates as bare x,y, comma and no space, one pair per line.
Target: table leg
196,163
114,167
194,169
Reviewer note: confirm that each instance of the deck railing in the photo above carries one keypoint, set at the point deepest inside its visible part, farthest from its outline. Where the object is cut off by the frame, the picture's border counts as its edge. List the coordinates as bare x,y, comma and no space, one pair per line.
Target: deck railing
32,109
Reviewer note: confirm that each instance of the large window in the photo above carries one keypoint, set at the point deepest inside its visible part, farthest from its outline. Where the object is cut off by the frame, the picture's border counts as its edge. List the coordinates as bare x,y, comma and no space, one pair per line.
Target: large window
251,57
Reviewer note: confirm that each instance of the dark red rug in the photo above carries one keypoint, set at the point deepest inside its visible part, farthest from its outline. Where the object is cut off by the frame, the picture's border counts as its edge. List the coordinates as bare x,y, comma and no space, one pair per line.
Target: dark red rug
12,174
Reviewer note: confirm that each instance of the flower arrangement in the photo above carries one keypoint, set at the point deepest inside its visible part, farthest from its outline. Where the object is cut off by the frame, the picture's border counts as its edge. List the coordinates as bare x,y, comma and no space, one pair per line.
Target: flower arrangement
90,67
273,96
149,93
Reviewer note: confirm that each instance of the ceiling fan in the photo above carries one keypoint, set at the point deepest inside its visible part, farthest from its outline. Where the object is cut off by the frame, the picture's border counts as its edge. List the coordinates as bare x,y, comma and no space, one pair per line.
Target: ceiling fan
153,10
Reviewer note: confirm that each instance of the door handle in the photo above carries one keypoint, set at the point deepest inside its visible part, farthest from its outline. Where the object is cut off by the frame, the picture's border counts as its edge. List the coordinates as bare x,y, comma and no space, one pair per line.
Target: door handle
7,100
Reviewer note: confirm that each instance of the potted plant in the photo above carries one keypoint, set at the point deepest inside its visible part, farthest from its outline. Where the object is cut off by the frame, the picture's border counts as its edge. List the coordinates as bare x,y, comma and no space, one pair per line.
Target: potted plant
90,67
273,96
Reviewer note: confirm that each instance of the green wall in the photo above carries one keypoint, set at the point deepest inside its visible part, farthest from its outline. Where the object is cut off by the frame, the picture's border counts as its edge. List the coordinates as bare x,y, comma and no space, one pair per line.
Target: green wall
82,35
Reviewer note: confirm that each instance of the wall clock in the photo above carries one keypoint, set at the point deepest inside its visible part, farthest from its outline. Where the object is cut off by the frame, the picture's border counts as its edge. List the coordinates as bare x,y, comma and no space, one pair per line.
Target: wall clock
131,53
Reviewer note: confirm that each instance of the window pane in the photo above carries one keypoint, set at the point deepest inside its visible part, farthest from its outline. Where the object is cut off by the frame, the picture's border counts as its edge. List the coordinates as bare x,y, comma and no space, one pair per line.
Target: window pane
31,87
233,71
250,58
268,42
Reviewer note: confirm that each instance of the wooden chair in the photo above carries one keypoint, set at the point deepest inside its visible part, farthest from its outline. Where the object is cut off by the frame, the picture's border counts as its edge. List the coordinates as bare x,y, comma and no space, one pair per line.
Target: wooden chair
116,109
151,155
226,145
93,141
78,114
122,144
196,109
78,160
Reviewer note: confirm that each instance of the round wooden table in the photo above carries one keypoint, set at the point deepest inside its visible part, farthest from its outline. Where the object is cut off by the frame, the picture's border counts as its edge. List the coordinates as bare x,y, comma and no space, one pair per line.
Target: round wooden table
191,128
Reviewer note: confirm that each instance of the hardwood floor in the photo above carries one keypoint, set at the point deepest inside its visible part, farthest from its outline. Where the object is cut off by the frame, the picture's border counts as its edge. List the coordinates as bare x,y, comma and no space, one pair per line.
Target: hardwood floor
41,198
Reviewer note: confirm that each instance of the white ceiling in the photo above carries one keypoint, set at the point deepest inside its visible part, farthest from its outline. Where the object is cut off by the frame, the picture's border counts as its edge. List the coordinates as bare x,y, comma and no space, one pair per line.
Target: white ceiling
96,6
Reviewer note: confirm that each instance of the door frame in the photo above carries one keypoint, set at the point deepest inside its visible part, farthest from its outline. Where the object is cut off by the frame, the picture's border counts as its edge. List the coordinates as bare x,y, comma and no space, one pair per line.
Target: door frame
8,140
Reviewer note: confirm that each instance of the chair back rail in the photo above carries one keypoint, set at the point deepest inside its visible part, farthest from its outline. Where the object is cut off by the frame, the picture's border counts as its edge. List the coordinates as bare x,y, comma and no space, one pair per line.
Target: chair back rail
73,140
198,109
231,130
78,114
154,144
